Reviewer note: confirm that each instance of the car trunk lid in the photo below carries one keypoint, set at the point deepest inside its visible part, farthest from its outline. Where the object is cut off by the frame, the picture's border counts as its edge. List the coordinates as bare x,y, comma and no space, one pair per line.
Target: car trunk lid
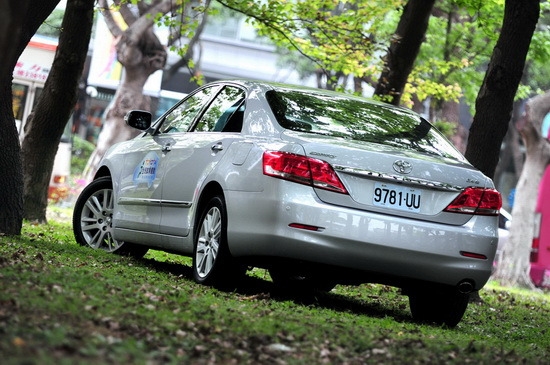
393,180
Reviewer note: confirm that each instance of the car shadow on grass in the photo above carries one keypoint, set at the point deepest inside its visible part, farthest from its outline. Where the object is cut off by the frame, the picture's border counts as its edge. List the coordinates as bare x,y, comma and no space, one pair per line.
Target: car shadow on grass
375,301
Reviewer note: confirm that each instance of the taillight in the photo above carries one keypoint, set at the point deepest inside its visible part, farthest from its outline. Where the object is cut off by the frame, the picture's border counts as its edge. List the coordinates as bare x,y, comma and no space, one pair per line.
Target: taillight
303,170
536,238
473,255
476,201
307,227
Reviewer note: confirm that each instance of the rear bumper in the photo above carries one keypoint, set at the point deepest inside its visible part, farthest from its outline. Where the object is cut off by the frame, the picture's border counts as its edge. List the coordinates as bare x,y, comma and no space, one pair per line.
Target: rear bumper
386,247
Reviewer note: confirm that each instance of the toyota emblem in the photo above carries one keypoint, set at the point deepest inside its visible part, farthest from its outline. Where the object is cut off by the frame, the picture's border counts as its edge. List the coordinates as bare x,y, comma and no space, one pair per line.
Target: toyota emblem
402,167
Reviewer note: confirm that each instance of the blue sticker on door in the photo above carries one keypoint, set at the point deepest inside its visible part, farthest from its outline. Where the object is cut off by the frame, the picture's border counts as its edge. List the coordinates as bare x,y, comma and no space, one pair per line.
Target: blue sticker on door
146,171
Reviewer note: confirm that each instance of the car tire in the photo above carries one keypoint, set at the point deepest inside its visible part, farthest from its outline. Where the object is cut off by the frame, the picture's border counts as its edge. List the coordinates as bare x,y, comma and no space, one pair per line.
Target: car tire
92,220
213,264
442,306
300,282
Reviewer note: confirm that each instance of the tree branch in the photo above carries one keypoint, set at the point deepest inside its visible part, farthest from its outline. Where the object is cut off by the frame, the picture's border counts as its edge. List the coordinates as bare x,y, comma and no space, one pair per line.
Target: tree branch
105,9
184,61
147,20
126,12
276,29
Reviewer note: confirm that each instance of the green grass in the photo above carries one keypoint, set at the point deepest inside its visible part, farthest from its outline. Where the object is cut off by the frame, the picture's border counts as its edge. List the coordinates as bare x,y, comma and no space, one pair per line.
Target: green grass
61,303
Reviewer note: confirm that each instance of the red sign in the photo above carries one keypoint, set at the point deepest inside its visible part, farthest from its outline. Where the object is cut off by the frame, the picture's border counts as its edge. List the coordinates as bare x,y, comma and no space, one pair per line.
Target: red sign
31,71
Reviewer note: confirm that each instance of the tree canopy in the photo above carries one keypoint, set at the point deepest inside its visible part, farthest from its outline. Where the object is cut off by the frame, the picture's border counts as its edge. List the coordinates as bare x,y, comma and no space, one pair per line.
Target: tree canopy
346,40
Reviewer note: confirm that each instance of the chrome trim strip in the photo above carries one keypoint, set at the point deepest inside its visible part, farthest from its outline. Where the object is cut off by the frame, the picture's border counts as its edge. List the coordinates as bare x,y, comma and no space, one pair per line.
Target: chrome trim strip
154,202
398,178
138,201
176,203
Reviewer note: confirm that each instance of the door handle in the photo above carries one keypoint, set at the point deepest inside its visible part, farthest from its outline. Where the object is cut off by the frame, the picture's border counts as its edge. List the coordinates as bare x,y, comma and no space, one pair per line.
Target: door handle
217,147
167,147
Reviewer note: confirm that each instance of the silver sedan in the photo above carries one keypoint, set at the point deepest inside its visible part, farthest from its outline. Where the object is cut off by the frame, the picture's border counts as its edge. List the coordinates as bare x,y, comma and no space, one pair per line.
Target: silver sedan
320,188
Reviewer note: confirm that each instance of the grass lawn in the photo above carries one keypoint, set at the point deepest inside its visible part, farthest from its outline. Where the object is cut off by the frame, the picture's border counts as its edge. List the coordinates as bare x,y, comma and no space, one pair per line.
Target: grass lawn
61,303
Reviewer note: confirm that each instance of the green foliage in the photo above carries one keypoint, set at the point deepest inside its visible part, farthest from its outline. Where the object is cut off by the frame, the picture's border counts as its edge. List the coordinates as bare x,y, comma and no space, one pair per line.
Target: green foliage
459,43
349,38
424,84
344,37
63,303
52,25
447,128
82,150
183,23
540,48
537,77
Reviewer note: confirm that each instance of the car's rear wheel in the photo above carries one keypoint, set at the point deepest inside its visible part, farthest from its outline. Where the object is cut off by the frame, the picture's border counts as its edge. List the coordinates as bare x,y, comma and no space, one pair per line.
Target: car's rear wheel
440,305
92,220
212,261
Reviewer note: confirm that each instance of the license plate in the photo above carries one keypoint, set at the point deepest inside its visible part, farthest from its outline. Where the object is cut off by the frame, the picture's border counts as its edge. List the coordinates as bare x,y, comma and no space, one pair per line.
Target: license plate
396,197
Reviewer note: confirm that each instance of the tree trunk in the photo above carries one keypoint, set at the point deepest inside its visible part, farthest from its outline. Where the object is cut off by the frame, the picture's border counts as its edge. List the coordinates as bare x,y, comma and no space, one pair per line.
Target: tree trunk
141,54
517,153
19,20
403,50
495,99
513,269
140,60
45,125
11,198
128,96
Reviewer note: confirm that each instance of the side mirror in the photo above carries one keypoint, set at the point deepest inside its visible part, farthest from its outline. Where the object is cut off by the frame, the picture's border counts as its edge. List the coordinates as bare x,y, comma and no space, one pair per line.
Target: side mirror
139,119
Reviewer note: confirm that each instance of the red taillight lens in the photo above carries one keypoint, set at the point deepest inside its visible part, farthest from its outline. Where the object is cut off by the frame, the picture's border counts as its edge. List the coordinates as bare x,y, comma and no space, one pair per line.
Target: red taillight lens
303,170
536,238
307,227
473,255
476,201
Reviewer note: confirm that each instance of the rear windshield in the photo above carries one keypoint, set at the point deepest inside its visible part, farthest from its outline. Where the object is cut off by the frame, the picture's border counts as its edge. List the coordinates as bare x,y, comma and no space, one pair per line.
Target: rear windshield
359,120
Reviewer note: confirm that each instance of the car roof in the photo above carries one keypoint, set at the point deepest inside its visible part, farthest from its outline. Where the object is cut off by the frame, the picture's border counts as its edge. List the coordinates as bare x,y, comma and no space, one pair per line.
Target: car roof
269,85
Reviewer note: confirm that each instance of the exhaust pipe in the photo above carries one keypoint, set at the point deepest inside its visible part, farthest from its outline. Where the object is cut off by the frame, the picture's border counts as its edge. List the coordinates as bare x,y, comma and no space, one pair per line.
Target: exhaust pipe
465,287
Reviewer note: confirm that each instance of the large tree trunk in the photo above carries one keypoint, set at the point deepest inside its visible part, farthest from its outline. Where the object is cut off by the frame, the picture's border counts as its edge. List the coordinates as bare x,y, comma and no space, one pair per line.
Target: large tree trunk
128,96
141,54
403,50
11,179
45,125
494,102
19,20
139,63
513,269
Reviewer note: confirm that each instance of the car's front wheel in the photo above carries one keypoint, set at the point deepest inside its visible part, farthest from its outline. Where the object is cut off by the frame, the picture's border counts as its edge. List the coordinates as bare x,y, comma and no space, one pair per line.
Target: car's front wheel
212,261
92,220
440,305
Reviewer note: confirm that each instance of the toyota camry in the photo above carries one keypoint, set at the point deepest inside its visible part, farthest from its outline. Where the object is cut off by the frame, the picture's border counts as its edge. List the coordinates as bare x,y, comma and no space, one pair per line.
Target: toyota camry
320,188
